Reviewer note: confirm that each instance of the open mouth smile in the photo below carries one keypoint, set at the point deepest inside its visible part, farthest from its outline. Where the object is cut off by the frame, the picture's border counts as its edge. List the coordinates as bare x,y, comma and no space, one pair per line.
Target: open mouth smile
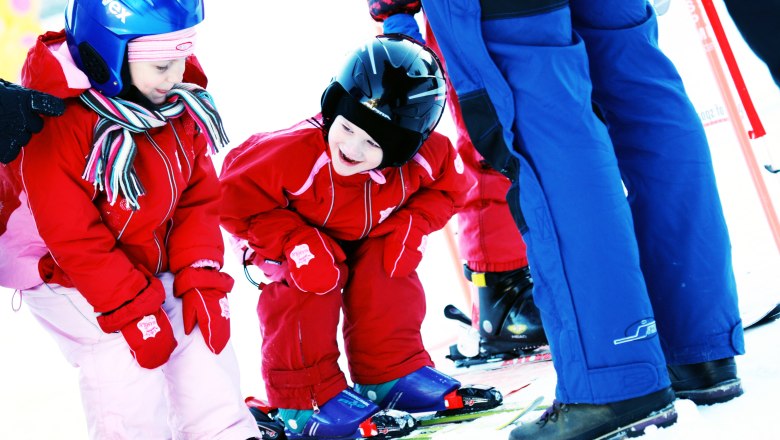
347,160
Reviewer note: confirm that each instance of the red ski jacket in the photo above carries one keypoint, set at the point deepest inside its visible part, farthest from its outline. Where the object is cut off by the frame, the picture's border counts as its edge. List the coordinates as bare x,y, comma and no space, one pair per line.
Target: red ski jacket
276,182
100,249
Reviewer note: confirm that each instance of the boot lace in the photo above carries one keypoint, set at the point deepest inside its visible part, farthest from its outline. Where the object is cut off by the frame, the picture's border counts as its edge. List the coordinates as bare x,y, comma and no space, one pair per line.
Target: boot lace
552,412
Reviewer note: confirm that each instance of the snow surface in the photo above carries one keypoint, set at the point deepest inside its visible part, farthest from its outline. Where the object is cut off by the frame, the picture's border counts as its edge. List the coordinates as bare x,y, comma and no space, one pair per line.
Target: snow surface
267,71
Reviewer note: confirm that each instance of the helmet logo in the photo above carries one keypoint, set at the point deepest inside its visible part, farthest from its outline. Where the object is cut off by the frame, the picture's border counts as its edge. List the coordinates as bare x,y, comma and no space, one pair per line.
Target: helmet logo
373,104
117,10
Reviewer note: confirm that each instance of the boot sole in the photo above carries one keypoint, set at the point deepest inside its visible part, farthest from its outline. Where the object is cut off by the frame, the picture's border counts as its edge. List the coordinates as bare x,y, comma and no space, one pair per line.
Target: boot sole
662,418
723,392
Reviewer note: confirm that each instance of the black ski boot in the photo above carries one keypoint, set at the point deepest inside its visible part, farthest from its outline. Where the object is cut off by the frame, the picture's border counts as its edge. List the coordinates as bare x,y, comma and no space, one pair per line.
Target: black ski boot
618,420
509,321
706,383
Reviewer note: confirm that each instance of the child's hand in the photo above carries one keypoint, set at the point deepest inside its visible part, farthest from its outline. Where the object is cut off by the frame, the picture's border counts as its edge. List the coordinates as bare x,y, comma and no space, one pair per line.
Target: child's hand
315,261
203,294
405,239
144,325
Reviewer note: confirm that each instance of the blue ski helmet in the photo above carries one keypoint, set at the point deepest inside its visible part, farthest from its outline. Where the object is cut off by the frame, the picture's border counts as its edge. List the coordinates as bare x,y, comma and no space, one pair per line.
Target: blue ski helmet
98,31
394,89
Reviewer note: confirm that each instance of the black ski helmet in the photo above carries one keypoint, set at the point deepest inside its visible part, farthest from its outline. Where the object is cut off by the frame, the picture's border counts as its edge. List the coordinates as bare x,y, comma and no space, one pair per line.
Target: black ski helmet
394,89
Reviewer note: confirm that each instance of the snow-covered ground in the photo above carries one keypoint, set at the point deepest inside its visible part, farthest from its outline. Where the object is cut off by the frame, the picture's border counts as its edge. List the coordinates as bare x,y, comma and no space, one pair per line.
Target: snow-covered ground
268,63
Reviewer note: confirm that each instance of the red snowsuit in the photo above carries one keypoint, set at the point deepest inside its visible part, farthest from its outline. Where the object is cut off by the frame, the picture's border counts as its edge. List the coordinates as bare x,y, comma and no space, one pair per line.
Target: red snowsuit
93,246
275,183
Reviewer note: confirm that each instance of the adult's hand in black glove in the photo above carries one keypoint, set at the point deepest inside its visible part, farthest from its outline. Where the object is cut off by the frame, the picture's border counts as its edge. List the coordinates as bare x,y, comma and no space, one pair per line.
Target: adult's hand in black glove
20,111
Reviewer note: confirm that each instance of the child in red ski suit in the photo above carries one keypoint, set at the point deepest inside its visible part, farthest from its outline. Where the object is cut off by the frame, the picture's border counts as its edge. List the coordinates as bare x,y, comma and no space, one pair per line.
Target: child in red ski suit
116,228
334,226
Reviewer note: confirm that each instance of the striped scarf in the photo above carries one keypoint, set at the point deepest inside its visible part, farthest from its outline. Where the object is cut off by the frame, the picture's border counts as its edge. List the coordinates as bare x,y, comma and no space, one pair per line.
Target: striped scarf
110,163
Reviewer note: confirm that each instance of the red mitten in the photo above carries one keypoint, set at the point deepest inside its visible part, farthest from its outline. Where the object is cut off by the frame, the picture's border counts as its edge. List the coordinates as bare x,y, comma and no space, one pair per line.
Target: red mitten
314,260
203,294
381,9
405,239
144,325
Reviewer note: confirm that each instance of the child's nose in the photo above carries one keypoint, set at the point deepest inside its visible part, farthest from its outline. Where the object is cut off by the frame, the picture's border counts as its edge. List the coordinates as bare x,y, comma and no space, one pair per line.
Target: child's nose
357,146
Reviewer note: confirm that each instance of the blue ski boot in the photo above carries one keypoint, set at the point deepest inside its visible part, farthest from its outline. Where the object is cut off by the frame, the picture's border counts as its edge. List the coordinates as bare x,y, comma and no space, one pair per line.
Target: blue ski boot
348,415
428,389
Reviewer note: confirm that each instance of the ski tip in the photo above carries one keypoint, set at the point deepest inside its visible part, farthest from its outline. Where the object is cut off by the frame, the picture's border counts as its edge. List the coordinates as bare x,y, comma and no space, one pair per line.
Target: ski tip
515,418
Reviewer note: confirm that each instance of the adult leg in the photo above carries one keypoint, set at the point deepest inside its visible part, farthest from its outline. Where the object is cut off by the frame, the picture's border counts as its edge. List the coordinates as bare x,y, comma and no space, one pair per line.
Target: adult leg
666,166
588,282
496,261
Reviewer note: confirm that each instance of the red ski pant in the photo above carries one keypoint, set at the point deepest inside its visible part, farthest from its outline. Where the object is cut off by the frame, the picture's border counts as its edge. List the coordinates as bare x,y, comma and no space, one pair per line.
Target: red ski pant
488,237
382,340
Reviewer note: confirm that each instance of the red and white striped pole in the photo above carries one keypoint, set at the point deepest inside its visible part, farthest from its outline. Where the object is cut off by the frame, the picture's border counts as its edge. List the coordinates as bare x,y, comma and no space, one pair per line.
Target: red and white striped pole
743,135
731,63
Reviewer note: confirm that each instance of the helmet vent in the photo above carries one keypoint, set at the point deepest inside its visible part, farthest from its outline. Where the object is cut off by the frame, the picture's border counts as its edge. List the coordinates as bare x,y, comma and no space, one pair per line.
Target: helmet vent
94,65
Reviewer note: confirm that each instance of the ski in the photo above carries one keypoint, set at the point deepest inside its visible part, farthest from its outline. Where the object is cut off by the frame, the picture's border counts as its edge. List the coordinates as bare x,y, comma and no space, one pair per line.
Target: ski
480,363
532,407
431,424
766,318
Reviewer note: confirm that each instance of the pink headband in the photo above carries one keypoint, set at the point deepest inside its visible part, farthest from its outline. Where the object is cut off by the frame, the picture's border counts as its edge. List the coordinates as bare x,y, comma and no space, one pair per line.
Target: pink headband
162,47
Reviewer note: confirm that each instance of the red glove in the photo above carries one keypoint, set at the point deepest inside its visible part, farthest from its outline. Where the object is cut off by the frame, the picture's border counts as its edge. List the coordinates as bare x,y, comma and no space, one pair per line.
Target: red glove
203,294
144,325
381,9
315,261
405,239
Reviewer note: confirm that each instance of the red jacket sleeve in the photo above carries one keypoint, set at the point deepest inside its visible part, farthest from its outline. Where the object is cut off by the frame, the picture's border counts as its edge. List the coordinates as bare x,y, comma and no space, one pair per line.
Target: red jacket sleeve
195,233
253,181
439,200
67,220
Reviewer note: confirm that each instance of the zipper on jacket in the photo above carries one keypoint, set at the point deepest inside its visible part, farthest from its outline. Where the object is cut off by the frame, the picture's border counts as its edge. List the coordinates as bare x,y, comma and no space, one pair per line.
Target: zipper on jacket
369,218
183,155
332,196
173,189
121,232
403,185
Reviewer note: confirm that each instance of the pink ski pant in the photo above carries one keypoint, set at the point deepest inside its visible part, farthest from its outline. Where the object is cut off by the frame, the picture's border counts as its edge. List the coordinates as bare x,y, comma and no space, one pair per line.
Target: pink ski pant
195,395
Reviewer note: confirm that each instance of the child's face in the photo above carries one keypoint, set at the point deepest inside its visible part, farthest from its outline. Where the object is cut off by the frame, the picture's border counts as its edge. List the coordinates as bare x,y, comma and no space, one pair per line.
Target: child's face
155,78
352,150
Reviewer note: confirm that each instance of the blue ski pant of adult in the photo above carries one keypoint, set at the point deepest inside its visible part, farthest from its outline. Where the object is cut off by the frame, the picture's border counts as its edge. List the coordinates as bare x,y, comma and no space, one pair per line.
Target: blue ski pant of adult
628,279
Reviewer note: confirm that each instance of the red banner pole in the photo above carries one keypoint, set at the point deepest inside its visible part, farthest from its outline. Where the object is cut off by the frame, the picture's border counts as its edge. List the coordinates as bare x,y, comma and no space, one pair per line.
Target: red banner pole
736,75
736,120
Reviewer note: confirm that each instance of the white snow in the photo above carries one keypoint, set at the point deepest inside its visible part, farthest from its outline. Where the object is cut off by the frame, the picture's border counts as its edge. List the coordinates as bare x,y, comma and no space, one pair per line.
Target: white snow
268,63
